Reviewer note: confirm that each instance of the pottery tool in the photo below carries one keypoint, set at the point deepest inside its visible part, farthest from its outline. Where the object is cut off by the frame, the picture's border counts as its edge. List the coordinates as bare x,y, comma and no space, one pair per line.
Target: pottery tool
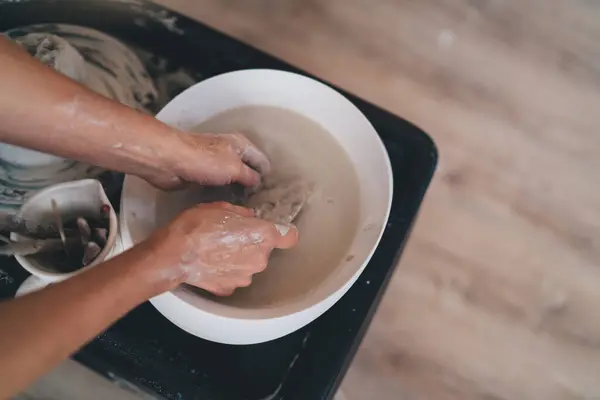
35,246
88,236
74,243
24,227
59,224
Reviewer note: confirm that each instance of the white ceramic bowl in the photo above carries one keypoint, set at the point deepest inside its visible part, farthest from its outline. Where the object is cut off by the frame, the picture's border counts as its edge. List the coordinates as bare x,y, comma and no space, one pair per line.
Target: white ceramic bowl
76,198
220,321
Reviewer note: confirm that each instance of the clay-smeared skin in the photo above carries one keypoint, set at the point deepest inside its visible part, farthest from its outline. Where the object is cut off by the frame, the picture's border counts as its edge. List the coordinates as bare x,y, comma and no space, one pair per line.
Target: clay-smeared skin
219,160
309,170
82,125
217,247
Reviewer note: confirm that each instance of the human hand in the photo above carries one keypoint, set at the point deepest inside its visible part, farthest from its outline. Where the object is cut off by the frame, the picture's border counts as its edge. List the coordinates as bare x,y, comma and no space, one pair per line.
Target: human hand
217,247
209,159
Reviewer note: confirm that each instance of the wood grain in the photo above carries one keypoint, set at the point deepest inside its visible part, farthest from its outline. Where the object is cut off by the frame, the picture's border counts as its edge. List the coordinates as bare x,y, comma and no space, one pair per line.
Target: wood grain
498,293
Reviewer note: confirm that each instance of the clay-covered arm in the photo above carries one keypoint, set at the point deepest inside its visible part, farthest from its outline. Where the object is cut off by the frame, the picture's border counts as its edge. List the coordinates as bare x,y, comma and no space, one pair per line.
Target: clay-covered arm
43,110
43,328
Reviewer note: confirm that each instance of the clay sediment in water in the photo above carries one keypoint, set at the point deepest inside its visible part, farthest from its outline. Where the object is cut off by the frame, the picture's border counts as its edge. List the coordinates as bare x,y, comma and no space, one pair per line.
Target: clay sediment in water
281,201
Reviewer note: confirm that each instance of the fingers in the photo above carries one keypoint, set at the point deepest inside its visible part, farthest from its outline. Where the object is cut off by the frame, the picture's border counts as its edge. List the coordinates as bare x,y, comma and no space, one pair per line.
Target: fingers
286,236
224,265
252,156
222,291
246,176
249,153
227,290
222,287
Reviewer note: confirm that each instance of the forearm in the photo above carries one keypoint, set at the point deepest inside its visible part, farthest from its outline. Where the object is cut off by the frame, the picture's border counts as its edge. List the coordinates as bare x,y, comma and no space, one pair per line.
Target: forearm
43,110
43,328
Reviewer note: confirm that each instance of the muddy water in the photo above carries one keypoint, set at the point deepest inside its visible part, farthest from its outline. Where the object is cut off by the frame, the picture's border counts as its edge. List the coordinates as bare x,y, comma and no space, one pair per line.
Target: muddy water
296,146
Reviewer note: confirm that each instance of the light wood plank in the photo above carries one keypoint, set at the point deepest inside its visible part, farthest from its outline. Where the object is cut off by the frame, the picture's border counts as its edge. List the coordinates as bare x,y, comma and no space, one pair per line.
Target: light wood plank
498,293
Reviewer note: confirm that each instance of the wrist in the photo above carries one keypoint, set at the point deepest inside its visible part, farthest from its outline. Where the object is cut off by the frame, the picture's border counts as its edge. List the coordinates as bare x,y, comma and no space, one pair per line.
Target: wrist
137,273
151,270
149,154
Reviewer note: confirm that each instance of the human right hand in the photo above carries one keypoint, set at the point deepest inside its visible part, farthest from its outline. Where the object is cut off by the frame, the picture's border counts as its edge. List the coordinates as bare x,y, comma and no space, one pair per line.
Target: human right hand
85,126
217,247
206,159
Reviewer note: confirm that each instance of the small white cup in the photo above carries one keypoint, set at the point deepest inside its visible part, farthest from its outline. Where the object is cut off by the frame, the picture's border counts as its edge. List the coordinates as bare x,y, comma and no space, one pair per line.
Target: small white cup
83,197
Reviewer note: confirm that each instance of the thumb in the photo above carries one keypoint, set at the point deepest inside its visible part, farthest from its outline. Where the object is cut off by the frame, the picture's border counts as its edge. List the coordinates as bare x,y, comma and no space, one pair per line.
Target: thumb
287,236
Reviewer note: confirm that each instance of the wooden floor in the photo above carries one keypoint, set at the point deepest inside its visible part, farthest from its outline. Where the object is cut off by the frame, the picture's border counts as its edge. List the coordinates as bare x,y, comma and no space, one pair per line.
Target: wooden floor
498,293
